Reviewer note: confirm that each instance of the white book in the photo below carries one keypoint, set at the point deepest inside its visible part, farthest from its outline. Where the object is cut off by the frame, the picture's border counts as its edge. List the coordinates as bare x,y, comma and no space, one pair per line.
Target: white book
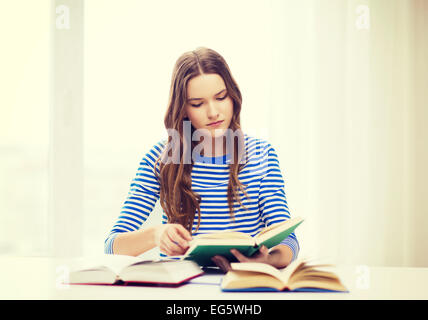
122,269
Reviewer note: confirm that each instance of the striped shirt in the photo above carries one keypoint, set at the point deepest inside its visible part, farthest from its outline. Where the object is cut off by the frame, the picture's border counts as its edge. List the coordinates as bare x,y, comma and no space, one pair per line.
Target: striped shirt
266,203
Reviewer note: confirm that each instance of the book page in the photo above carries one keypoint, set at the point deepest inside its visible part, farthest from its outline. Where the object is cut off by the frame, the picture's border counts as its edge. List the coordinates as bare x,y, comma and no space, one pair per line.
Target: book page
161,271
270,228
257,267
296,275
305,274
223,235
291,269
283,229
114,262
245,279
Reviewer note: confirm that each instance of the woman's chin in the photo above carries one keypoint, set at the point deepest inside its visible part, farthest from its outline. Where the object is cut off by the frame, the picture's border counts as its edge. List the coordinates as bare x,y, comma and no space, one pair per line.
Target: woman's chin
217,133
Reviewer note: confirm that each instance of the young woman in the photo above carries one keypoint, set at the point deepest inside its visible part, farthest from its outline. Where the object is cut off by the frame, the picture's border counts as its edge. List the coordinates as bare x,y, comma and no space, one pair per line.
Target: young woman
225,181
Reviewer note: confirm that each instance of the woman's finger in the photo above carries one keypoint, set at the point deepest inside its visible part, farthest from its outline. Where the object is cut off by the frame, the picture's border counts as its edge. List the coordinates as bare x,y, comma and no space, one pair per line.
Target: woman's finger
184,232
176,243
170,248
222,263
239,255
176,237
264,250
174,248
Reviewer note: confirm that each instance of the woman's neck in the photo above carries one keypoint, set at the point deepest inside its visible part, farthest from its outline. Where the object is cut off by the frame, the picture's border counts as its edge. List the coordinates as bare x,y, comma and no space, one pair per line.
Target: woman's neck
216,151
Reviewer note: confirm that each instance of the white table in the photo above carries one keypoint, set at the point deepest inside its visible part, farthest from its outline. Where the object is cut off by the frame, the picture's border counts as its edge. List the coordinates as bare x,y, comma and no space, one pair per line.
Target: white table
40,278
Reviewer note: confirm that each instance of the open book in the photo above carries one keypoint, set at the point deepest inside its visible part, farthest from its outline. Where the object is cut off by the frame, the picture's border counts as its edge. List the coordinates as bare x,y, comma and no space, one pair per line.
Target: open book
298,276
205,246
122,269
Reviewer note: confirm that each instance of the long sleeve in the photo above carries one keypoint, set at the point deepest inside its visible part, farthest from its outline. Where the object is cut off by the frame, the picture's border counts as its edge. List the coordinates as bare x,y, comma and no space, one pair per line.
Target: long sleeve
141,199
272,199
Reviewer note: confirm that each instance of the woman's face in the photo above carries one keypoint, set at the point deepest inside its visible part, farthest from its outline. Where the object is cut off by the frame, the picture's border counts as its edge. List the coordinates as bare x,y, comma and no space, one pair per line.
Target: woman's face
208,101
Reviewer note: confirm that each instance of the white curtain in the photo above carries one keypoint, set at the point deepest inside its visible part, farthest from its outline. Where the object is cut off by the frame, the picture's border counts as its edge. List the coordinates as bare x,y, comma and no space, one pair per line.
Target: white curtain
348,113
338,87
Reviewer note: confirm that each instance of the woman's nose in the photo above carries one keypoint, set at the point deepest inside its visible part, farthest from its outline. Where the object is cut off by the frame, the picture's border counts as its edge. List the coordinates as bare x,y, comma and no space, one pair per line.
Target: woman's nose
212,111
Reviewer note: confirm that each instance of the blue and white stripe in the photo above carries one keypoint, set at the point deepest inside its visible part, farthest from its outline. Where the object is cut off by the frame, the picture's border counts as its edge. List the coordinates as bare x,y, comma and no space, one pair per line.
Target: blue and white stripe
261,174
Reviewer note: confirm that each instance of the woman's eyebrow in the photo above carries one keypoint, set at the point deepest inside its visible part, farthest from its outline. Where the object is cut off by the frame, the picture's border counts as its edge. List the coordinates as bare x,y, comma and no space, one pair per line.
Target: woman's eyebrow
190,99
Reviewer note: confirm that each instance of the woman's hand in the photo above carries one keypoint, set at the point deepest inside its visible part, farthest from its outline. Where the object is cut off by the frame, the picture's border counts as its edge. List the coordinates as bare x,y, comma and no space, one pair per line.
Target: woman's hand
261,256
172,239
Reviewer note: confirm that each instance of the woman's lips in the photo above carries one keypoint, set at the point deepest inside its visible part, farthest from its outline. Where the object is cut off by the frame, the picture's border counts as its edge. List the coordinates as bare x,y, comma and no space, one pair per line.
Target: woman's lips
215,124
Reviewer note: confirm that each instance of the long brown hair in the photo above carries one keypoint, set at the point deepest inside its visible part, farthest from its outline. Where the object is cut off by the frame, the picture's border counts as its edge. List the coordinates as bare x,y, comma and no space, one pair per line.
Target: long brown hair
177,198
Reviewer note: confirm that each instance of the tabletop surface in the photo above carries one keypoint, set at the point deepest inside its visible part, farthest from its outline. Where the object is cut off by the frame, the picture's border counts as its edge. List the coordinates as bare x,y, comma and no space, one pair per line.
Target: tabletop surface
41,278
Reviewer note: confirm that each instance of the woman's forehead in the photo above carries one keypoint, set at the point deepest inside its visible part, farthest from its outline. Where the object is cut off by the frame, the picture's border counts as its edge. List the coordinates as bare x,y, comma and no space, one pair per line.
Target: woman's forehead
205,85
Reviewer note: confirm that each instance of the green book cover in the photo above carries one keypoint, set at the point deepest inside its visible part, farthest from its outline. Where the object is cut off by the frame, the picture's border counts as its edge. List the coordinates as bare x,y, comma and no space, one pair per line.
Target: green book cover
202,253
274,239
202,249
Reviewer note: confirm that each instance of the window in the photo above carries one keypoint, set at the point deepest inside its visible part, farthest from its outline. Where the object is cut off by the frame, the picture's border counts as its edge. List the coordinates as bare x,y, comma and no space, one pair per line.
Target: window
24,126
130,51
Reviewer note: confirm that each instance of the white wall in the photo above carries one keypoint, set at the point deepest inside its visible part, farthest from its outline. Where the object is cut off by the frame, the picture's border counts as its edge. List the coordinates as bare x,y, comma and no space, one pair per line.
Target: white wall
349,124
24,126
344,106
130,51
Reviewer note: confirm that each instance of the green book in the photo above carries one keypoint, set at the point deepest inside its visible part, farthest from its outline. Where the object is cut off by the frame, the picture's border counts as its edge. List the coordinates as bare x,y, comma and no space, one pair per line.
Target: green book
203,247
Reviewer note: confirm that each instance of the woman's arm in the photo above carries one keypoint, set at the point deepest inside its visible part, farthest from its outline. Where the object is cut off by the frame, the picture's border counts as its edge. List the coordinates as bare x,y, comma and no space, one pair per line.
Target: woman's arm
128,235
273,204
279,257
134,243
172,239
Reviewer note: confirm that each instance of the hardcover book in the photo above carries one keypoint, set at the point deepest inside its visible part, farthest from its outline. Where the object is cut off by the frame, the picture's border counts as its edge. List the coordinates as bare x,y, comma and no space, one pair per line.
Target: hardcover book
298,276
122,269
205,246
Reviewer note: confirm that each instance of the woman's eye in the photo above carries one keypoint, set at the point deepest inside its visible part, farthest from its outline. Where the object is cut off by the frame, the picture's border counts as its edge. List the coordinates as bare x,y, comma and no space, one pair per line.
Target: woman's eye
198,105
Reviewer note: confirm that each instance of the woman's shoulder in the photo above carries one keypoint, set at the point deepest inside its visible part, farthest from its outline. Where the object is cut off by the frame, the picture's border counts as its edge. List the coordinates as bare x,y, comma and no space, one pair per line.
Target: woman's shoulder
257,144
154,150
254,145
158,146
250,140
260,153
